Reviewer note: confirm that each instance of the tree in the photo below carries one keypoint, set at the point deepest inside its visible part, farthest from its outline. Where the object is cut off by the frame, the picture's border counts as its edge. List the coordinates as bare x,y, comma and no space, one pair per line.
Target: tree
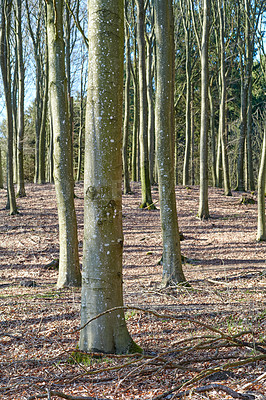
20,115
127,188
261,229
146,200
203,212
6,75
69,271
164,117
1,172
103,236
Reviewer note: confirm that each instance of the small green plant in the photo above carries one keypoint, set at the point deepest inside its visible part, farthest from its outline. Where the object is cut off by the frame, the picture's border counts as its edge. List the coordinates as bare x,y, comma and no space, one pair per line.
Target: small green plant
129,314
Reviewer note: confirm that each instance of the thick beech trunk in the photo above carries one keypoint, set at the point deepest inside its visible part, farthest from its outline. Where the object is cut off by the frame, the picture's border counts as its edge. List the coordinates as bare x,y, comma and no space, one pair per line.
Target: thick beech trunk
103,236
69,272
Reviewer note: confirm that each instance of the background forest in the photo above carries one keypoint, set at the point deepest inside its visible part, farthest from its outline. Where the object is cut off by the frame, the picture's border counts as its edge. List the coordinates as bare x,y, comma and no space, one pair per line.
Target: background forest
163,101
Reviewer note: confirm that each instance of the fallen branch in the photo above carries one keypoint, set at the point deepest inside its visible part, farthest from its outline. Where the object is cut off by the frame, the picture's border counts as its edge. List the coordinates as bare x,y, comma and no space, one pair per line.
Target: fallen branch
213,386
175,317
64,396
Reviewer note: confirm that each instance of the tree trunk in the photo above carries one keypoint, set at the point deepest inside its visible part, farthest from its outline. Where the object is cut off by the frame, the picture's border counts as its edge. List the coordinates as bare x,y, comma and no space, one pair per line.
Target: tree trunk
5,68
103,236
151,128
261,229
69,272
146,200
127,188
203,212
1,172
187,29
42,136
212,131
222,111
20,120
164,114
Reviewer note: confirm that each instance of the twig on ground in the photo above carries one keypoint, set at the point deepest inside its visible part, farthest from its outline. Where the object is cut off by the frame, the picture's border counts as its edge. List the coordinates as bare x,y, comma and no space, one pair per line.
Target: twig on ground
64,396
215,386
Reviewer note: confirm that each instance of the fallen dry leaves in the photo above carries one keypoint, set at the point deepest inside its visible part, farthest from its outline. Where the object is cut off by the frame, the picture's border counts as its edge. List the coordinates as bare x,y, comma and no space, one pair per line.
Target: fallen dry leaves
211,336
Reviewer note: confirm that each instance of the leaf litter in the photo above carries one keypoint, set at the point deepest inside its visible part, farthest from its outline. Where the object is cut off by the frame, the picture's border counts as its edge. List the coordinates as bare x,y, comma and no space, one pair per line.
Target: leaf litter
207,342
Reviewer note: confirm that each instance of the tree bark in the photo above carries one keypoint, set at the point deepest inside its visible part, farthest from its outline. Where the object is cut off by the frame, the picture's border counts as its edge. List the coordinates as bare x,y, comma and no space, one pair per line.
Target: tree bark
222,111
261,229
103,236
203,212
127,188
146,200
164,114
1,172
20,115
69,271
6,75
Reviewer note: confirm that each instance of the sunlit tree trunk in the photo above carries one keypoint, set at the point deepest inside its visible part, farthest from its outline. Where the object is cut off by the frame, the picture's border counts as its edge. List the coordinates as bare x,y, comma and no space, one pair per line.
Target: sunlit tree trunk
146,200
20,114
203,212
164,115
187,30
213,137
42,136
261,228
69,271
222,111
5,69
150,97
103,236
127,188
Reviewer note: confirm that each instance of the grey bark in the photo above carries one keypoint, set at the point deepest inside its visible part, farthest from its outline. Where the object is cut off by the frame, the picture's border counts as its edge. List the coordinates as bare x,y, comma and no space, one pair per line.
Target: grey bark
20,114
69,272
1,172
103,236
127,188
164,116
203,212
261,227
6,75
146,200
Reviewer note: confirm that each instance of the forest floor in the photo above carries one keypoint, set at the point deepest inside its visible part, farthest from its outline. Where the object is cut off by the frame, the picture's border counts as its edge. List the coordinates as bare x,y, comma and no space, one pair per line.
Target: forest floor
209,340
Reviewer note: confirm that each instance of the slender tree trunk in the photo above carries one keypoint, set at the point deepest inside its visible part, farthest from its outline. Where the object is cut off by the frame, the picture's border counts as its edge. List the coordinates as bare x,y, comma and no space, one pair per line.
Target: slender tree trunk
192,136
127,188
146,200
42,136
222,112
261,229
134,72
203,212
151,128
103,236
20,120
213,144
187,29
250,173
81,125
1,172
172,264
5,69
69,272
